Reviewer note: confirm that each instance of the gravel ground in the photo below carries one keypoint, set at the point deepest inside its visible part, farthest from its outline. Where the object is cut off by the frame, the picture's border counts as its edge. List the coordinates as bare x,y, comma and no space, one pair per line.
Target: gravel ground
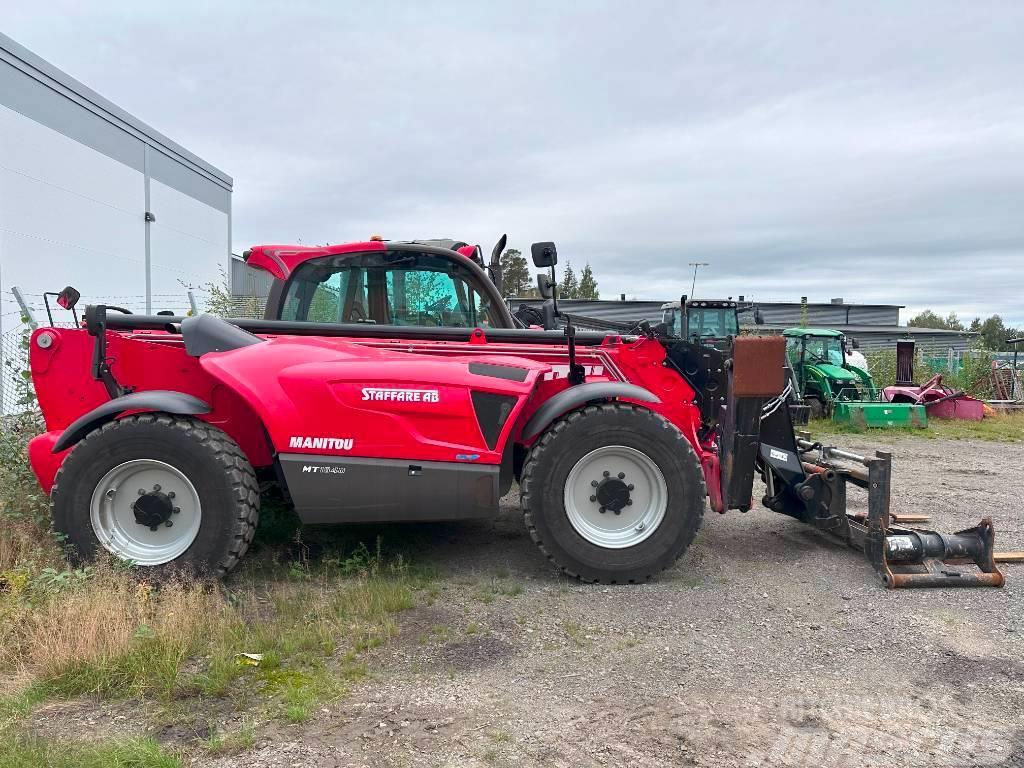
767,645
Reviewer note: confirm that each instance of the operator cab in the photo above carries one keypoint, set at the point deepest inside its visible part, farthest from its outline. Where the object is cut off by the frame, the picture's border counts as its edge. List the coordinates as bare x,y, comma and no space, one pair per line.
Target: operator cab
426,283
710,322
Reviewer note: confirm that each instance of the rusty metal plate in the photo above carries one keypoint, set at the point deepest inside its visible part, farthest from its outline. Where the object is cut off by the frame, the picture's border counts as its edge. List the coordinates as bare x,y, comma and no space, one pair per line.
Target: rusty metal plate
757,366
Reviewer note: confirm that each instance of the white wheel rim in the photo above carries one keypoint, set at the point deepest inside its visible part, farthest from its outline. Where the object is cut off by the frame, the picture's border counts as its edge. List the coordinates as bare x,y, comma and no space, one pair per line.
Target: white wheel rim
636,521
112,511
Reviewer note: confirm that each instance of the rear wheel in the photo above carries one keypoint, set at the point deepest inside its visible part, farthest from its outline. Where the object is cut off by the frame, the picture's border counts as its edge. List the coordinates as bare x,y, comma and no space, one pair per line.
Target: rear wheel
613,493
816,409
160,491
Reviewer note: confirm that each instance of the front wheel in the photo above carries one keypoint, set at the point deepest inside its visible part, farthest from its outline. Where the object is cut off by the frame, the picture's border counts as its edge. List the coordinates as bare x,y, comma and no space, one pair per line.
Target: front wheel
613,493
160,491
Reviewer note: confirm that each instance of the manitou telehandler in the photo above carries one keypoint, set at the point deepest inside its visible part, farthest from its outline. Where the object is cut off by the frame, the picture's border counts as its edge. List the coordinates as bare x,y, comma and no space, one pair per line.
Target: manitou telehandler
393,384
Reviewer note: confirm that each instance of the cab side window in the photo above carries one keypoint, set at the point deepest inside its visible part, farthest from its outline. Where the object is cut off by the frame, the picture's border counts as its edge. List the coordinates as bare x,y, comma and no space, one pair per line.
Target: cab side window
391,288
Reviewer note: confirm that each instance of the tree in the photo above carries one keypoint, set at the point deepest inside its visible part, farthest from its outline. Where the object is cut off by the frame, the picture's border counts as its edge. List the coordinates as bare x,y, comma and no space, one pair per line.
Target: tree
588,285
515,274
570,287
994,334
929,319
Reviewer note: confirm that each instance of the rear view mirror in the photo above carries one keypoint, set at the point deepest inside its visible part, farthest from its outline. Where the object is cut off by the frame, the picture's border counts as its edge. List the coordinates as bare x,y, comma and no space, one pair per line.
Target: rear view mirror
544,254
545,285
68,298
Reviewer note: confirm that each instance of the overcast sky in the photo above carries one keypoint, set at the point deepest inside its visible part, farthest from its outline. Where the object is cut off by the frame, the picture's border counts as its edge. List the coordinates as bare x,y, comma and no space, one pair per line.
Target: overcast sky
873,151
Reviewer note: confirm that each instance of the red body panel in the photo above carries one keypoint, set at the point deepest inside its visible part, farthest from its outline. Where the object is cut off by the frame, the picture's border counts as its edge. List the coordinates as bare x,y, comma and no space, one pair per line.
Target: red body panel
393,399
280,260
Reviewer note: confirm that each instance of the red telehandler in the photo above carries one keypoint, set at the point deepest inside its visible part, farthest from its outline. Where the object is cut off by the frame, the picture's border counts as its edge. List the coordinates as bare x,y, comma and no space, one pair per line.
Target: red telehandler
391,383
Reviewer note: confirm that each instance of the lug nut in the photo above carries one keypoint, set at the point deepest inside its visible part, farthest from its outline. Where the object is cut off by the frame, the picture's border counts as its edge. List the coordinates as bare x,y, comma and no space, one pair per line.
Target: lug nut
175,510
152,527
170,494
622,475
640,527
593,498
618,511
142,491
594,483
156,487
607,473
169,523
629,487
629,502
602,510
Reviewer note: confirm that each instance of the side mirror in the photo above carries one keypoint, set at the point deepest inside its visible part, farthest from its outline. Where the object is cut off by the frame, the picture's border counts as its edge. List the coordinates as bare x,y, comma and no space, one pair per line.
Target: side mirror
544,254
545,285
68,298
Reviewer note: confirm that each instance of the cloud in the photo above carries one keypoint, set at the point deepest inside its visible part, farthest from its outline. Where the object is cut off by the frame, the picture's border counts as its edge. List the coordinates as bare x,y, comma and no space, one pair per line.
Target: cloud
801,149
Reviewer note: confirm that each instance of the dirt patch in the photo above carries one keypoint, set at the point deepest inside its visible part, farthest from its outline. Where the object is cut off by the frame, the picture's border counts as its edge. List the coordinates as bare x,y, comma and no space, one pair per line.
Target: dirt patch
766,645
475,653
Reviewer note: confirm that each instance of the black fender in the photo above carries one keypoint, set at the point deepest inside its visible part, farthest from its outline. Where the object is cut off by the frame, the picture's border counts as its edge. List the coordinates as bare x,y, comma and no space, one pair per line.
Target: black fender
152,400
573,397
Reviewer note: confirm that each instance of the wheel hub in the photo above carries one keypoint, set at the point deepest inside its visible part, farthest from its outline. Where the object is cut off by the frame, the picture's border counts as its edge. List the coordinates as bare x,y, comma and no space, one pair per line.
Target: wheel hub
615,496
154,508
612,493
146,511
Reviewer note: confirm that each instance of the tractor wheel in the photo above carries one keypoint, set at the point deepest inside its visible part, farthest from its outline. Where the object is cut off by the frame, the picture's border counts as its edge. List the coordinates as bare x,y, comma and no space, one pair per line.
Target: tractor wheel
169,493
613,493
816,408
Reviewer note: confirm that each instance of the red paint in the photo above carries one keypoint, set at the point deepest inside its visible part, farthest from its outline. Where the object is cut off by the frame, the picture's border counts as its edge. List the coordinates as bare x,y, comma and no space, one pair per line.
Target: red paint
281,260
267,395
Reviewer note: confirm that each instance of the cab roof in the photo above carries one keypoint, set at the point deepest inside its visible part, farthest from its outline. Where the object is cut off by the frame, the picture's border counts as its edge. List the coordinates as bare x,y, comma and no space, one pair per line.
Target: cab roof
281,260
799,332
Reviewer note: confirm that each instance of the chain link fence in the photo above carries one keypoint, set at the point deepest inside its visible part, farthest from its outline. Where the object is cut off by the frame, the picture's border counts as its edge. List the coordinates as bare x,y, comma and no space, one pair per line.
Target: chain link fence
16,326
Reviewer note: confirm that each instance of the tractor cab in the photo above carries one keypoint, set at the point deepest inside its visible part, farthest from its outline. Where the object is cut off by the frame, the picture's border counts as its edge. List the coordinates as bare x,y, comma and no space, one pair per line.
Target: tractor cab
818,360
711,322
425,283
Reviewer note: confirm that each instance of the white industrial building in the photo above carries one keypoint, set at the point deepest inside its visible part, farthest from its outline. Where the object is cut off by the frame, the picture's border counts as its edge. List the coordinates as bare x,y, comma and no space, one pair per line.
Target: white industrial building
92,197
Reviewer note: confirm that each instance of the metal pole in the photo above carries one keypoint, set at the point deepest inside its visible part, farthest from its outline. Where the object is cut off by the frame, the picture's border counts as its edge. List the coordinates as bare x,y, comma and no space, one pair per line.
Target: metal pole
192,303
696,265
3,375
26,310
148,219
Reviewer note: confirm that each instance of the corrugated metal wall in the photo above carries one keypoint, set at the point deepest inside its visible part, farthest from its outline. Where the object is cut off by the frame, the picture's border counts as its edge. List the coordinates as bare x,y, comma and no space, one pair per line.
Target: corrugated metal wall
932,344
775,314
247,282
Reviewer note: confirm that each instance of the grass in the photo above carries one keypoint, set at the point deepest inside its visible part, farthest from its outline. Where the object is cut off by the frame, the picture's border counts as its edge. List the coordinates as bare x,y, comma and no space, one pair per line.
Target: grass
221,742
1008,427
20,751
105,631
575,633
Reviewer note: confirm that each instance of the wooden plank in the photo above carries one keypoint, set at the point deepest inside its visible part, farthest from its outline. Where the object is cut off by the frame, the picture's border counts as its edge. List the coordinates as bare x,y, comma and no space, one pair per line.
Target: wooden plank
1008,557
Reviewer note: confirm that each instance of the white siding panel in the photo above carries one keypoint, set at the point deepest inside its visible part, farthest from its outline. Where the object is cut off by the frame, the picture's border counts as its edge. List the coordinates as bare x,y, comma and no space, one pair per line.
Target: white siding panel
188,242
68,214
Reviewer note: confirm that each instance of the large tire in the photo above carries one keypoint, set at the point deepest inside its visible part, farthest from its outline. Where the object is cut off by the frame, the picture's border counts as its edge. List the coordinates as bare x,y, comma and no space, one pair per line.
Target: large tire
216,498
559,521
817,408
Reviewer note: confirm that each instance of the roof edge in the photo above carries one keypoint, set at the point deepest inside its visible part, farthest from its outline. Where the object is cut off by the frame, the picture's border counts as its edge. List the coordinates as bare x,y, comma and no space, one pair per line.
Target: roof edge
38,68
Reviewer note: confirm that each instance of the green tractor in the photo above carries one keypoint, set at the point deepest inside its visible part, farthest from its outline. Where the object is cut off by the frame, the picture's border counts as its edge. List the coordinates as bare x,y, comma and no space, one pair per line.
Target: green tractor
712,322
830,386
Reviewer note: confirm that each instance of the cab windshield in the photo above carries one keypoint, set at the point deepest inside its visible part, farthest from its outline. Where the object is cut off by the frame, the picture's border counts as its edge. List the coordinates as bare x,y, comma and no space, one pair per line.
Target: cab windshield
711,322
819,349
389,288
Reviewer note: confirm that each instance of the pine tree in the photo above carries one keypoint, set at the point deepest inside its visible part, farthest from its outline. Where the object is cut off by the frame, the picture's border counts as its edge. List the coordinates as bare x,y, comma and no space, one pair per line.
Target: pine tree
570,287
515,274
588,285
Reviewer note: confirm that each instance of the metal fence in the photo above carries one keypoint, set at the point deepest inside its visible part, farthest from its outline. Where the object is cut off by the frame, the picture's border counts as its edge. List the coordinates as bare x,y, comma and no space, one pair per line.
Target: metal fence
16,322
